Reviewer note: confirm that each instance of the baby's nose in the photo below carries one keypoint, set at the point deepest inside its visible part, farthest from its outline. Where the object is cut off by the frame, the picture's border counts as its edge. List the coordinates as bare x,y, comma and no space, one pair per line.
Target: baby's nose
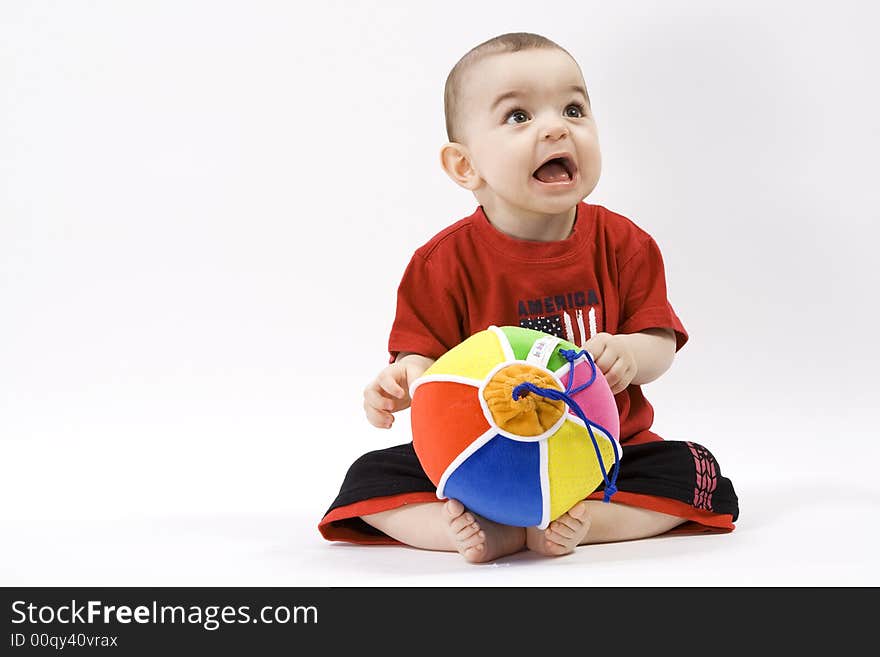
555,130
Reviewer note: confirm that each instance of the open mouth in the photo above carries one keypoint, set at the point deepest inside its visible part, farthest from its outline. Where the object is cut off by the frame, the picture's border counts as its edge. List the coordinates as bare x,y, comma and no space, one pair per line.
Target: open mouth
556,170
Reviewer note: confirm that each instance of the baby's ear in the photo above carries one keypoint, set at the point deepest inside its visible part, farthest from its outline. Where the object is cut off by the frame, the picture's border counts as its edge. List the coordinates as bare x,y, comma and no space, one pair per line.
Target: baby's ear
456,162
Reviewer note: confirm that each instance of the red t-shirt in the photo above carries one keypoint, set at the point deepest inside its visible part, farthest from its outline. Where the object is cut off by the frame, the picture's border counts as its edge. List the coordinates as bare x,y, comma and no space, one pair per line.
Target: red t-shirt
607,276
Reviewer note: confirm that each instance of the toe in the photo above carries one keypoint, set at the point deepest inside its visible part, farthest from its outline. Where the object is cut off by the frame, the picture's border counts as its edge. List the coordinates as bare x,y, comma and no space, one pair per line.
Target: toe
561,529
475,553
556,548
578,511
467,531
553,537
459,523
478,538
454,508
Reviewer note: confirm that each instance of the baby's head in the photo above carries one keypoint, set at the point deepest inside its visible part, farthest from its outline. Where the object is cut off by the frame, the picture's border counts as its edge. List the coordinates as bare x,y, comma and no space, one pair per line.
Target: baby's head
513,103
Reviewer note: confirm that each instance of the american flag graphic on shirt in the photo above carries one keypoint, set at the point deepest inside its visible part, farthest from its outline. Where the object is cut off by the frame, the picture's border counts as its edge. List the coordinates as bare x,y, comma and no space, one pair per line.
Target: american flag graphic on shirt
569,325
551,325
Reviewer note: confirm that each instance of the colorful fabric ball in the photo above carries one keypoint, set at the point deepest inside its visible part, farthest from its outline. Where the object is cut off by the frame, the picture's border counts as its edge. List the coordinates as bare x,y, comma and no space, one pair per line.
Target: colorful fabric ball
500,423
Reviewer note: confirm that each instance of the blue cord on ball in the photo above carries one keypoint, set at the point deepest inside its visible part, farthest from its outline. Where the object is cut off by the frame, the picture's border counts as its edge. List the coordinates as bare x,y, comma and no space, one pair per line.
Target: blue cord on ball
551,393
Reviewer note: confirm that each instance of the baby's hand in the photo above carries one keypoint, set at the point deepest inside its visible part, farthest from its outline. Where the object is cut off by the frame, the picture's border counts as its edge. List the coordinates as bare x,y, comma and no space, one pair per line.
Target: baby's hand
614,358
388,393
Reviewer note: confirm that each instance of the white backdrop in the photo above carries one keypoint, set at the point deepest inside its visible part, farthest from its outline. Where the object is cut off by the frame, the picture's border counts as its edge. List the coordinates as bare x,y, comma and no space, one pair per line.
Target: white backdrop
206,208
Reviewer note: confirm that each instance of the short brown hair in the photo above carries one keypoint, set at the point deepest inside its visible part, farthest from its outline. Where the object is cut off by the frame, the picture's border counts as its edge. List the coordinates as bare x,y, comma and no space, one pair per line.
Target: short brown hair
504,43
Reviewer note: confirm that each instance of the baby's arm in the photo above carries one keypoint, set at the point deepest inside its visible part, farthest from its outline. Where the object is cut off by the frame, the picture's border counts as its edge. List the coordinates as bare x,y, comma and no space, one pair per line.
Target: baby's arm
636,358
388,393
654,351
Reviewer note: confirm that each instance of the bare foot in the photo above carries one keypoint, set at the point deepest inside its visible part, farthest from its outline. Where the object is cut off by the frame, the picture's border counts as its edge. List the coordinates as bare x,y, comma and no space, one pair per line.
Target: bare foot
480,540
563,535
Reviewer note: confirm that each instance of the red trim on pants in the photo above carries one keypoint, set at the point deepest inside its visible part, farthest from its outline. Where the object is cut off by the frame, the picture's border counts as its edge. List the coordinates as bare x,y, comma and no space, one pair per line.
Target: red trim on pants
374,505
700,521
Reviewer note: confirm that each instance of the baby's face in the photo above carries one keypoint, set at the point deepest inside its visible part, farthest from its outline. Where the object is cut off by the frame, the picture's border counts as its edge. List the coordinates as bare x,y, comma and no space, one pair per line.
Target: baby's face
510,137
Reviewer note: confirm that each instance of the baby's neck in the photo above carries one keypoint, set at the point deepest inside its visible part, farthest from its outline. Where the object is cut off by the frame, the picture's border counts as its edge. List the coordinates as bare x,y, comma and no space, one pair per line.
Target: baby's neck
535,227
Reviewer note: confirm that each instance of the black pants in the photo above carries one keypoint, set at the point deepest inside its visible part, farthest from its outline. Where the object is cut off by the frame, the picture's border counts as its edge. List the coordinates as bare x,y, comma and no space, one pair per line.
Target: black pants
676,477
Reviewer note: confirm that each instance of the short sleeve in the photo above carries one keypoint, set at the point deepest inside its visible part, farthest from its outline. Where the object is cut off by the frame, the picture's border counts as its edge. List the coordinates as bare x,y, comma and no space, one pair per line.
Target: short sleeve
643,300
428,320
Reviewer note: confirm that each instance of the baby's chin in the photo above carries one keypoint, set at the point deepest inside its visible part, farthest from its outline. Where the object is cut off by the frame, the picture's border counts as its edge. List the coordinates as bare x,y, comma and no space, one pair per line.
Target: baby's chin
529,201
554,205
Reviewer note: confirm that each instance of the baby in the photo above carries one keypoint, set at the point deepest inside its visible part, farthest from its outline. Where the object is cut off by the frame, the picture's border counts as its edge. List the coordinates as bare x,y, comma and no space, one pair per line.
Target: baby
523,140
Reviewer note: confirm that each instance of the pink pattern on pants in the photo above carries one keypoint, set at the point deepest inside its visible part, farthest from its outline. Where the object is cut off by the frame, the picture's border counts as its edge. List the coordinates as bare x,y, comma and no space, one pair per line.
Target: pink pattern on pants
706,476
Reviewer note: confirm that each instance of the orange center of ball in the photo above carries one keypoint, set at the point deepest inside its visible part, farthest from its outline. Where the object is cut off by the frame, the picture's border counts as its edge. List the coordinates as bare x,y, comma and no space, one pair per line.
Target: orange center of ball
530,415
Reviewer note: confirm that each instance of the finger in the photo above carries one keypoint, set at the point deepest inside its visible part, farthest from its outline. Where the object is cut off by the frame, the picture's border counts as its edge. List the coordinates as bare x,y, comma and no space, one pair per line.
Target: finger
614,383
376,398
378,418
617,371
607,360
388,384
596,345
624,373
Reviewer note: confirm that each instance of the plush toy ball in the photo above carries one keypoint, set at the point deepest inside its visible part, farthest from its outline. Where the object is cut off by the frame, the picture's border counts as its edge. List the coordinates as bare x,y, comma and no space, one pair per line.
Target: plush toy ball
517,425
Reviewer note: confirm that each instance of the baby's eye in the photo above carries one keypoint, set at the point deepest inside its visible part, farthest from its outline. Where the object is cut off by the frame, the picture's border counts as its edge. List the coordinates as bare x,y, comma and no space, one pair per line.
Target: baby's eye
578,107
517,113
